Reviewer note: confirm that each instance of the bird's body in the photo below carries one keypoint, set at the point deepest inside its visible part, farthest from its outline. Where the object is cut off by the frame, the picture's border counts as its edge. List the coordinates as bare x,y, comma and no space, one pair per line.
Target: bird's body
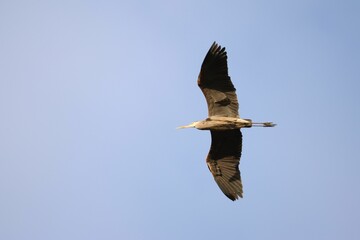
223,122
220,123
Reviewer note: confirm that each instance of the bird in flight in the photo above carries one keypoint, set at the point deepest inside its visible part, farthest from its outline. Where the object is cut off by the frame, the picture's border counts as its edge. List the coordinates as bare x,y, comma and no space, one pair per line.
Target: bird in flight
223,122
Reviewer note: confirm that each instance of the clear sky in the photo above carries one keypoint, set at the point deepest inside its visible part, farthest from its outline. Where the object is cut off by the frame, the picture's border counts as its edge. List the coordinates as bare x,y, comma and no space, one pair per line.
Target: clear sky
91,93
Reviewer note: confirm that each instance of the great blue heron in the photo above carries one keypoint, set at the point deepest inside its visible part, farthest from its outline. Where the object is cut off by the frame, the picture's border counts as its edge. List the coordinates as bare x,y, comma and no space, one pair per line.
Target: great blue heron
223,122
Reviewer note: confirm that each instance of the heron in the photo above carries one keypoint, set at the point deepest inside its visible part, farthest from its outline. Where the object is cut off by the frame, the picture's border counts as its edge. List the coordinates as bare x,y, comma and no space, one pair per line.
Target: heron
223,121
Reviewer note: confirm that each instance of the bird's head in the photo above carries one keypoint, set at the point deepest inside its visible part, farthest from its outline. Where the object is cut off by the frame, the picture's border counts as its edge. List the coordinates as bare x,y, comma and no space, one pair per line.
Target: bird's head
191,125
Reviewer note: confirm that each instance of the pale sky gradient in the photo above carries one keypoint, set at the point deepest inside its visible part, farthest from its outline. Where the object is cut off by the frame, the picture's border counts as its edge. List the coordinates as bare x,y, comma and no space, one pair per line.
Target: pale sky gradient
91,93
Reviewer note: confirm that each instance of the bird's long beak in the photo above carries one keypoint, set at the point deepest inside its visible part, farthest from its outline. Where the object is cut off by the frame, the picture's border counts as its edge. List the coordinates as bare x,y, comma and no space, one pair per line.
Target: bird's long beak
187,126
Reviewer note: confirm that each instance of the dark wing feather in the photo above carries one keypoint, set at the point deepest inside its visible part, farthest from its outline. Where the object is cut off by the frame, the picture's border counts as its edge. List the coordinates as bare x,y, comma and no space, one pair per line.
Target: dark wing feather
216,84
223,161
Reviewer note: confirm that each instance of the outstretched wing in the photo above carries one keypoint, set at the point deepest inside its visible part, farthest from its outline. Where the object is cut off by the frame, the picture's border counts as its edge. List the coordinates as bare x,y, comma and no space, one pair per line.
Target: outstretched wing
216,84
223,161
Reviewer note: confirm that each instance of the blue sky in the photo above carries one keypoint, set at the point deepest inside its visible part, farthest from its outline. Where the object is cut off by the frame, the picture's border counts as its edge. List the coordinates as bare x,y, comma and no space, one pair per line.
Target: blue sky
91,93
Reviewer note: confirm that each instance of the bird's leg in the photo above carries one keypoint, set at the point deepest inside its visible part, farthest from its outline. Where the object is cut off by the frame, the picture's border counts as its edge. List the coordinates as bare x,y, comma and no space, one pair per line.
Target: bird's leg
263,124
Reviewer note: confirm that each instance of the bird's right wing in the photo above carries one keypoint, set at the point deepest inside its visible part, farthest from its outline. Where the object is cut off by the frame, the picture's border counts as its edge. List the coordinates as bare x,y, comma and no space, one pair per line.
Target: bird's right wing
223,161
216,84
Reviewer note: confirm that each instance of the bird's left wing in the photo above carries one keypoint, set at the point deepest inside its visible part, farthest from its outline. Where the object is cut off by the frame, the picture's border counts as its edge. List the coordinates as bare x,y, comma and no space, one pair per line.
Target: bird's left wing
223,161
216,85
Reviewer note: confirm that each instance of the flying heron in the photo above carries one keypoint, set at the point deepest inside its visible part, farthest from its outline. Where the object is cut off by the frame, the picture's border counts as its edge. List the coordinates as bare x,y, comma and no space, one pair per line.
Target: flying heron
223,122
